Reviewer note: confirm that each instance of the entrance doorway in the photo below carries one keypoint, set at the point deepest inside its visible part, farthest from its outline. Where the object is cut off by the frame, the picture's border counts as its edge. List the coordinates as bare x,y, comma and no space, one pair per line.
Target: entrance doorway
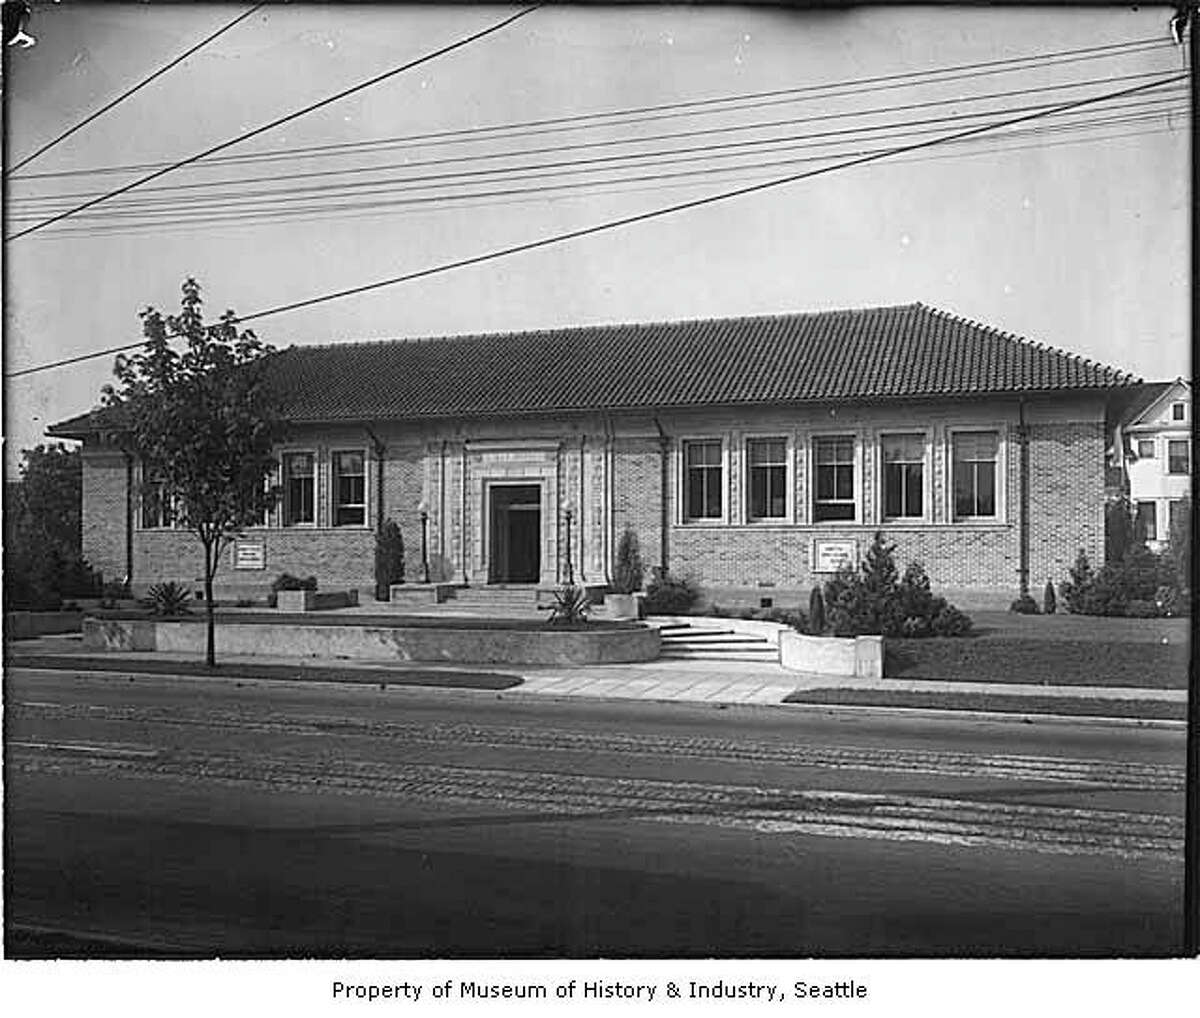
516,533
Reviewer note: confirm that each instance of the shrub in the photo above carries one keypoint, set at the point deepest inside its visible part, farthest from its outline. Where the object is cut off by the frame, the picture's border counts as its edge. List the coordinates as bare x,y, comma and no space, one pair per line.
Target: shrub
628,572
168,599
389,559
1179,543
571,606
1141,578
1076,589
286,581
816,612
670,595
787,617
951,622
1049,601
1025,605
1138,609
1119,532
873,601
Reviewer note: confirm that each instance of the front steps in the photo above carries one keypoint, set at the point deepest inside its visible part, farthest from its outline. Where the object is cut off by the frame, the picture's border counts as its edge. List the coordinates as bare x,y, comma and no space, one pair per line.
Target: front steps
682,641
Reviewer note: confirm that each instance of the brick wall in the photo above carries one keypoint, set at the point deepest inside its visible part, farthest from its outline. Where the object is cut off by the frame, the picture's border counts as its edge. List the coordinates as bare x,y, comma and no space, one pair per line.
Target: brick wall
104,512
637,496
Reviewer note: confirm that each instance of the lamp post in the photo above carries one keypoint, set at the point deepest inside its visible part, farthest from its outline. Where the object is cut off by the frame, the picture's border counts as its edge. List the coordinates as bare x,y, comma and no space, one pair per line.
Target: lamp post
569,512
423,509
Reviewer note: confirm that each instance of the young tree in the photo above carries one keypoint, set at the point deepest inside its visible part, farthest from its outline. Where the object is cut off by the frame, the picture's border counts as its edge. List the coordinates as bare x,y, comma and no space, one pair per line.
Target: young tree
201,420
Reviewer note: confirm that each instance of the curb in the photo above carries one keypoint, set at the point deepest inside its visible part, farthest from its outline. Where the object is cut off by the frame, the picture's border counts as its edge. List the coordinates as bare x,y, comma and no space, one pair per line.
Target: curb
1031,717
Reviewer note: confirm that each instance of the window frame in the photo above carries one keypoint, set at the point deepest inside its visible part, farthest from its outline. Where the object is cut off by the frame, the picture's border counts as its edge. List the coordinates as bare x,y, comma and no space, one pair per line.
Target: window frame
999,480
926,463
167,515
1152,454
335,504
814,467
748,478
1179,410
722,468
1140,530
1187,457
284,494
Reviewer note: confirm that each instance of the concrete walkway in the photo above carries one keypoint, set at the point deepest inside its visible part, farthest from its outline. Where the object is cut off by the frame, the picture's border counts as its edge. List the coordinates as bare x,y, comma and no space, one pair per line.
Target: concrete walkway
693,681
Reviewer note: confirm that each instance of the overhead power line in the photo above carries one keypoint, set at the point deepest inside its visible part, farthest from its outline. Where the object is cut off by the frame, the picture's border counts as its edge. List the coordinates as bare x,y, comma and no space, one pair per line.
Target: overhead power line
236,203
474,159
614,224
704,106
280,121
136,88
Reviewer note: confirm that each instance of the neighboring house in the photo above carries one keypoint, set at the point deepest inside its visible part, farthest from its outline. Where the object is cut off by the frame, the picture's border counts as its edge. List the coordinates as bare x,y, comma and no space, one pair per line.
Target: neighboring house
752,454
1153,450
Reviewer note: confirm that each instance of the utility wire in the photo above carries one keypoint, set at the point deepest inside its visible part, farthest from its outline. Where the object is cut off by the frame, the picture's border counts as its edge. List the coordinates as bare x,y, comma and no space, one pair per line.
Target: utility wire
136,88
515,153
614,224
514,129
346,210
619,186
280,121
247,200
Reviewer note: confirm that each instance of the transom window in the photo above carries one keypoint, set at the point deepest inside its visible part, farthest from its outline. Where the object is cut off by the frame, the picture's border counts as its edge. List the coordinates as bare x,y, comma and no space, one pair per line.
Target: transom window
702,467
1145,448
299,488
1178,458
349,489
768,478
903,476
974,468
834,489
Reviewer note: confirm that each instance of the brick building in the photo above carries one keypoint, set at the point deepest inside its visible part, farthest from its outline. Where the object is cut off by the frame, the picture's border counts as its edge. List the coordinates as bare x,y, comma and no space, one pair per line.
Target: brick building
752,454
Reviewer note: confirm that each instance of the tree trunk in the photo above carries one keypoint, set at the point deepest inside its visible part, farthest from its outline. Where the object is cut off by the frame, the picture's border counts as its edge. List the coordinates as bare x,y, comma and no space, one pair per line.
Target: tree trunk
210,650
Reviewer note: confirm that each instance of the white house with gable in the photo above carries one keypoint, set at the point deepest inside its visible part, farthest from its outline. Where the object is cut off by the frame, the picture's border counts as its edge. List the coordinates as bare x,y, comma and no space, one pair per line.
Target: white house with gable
1156,451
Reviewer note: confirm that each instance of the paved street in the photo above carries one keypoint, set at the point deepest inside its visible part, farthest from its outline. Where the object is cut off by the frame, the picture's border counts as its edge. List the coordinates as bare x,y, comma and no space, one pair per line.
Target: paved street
161,816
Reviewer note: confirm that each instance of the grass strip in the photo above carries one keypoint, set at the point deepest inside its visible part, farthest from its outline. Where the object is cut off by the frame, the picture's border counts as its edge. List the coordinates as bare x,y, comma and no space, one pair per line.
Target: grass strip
1002,702
275,672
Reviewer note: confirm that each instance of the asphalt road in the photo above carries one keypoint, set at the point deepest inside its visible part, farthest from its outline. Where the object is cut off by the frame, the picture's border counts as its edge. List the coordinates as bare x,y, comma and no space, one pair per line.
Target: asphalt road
169,817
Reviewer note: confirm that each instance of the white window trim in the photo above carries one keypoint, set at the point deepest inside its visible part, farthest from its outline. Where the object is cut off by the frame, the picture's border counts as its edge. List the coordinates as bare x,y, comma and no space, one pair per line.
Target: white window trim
280,511
334,451
856,437
789,461
681,516
926,477
1166,458
1001,517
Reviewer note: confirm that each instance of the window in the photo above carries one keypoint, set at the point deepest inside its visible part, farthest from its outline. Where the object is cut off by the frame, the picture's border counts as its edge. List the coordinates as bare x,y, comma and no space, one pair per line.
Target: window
702,465
768,478
349,489
158,511
834,479
903,476
1177,411
974,465
1176,515
1145,522
299,484
1177,458
1145,448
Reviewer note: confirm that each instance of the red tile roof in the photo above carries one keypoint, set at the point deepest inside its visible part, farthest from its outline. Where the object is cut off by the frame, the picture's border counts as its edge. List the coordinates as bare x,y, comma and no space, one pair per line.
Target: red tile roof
908,351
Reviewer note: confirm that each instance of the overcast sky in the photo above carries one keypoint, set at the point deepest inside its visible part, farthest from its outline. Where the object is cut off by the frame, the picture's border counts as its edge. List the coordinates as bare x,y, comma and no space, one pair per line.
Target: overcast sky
1073,238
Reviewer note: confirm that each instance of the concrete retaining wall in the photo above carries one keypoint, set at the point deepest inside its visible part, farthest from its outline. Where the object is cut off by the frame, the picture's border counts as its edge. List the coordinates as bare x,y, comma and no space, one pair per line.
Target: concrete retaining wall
860,656
378,643
27,625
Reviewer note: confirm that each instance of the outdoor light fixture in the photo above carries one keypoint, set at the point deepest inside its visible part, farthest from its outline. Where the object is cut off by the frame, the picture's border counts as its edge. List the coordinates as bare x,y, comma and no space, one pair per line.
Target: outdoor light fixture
569,512
423,509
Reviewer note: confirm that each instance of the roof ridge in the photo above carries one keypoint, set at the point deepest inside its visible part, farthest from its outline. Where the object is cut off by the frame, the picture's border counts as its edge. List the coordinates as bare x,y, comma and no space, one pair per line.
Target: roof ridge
558,329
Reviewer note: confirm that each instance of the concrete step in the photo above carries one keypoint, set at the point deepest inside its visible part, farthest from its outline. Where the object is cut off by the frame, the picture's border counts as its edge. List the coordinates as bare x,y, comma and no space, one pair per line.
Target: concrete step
711,655
696,636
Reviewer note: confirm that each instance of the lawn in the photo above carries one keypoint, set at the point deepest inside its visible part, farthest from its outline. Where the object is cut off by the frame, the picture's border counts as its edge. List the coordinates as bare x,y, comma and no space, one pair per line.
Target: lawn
1062,650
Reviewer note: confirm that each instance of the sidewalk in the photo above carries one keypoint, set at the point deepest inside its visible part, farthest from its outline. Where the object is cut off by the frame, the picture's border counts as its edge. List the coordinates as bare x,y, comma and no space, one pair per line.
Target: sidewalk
675,680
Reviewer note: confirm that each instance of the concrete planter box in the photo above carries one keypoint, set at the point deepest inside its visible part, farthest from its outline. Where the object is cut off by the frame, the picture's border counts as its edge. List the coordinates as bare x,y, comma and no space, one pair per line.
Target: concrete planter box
27,625
621,607
314,600
408,594
860,656
381,643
